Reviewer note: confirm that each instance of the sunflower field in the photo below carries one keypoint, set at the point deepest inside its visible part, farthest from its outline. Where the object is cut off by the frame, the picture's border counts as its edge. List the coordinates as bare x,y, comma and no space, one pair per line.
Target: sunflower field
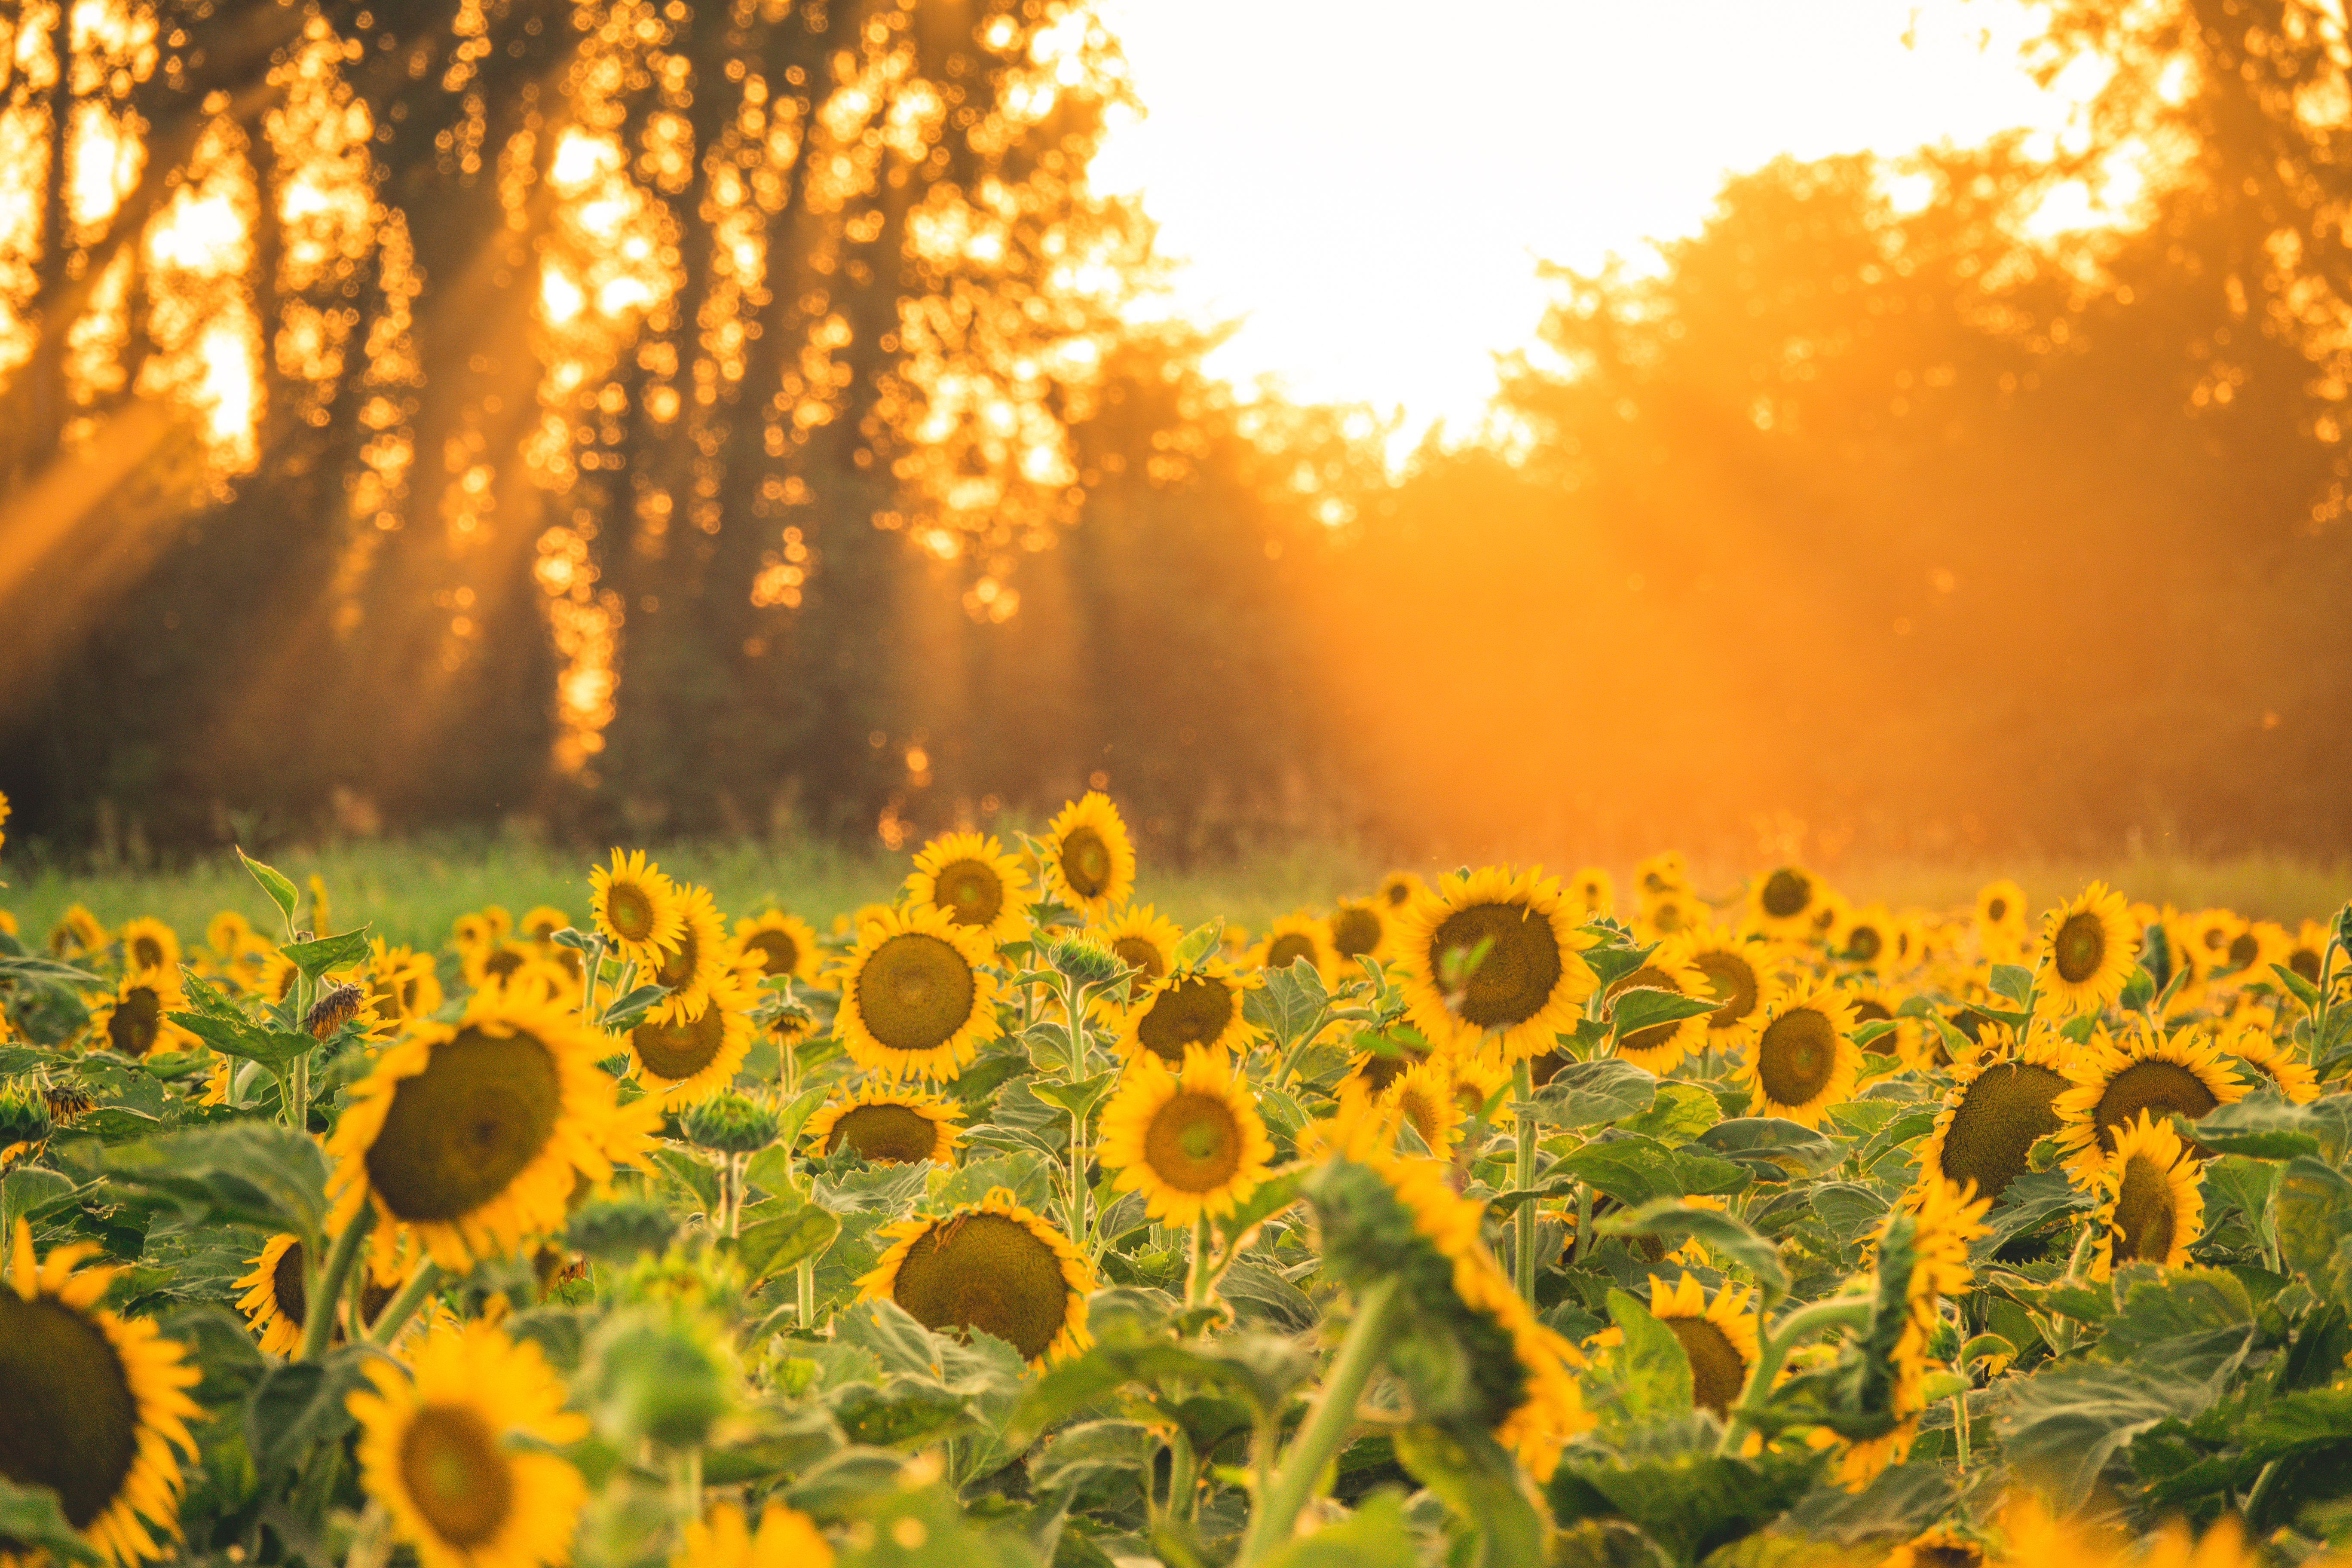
1504,1219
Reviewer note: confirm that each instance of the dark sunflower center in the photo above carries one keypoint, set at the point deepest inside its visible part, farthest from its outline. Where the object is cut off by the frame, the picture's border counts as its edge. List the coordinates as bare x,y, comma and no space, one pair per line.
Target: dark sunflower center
458,1132
1997,910
1195,1011
972,891
2163,1088
1085,863
2243,949
1355,931
1522,968
678,970
503,963
1289,949
679,1050
455,1474
147,952
1787,893
1194,1144
2000,1117
136,1021
1717,1374
1669,916
1656,1037
1377,1071
2305,961
1428,1119
1863,944
1143,956
1732,980
629,911
2146,1212
915,992
986,1271
1398,895
1796,1056
286,1287
779,953
885,1134
2080,947
1870,1010
68,1419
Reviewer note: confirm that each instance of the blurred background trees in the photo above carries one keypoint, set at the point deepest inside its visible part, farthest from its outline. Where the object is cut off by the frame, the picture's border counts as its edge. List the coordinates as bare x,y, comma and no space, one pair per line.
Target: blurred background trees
736,417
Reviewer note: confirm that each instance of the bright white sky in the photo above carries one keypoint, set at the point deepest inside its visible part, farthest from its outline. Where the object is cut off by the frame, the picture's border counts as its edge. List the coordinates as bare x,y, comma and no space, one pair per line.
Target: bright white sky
1370,183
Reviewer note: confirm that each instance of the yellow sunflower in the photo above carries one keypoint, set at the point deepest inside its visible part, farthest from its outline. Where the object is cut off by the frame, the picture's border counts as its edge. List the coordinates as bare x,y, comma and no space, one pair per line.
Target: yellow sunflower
134,1021
1374,1071
482,927
2252,1044
1663,873
679,1059
916,996
2254,948
787,1538
276,1299
1660,1046
456,1448
1190,1141
1738,973
1290,938
975,882
1397,891
888,1125
495,962
2212,933
699,960
1868,937
230,938
1196,1006
1592,888
2307,954
1143,940
1805,1059
149,943
2002,1101
473,1134
1945,1219
542,921
1785,902
2000,906
1671,913
1945,1549
1719,1337
778,943
2148,1070
2086,952
1425,1099
1089,860
992,1267
1359,928
402,983
2151,1202
1528,985
92,1404
636,907
77,932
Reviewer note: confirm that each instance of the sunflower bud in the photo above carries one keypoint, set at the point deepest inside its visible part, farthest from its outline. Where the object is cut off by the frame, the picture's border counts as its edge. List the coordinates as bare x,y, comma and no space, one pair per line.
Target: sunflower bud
732,1123
332,1011
656,1374
1083,961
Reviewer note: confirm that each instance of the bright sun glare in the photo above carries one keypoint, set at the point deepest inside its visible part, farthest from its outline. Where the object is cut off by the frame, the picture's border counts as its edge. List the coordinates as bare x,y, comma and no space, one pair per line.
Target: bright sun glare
1370,183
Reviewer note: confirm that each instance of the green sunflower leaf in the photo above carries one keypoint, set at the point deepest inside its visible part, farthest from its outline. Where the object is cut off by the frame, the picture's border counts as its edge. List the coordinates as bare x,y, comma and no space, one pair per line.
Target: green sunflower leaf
2302,990
782,1240
2313,1210
1777,1147
1586,1094
2263,1128
29,971
1639,1008
31,1516
254,1173
1673,1220
1374,1536
1199,943
317,957
627,1012
281,891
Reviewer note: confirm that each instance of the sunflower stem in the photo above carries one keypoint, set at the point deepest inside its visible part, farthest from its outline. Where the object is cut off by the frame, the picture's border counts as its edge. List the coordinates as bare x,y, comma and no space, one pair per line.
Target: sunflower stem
1773,1345
807,1270
592,962
1080,1222
1319,1441
326,1293
1961,1428
403,1307
1196,1283
1523,1250
1583,1220
685,1482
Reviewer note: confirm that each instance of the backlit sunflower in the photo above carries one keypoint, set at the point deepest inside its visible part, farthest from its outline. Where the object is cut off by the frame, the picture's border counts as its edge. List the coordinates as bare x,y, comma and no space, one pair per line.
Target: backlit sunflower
1359,928
2210,934
991,1267
1397,891
149,943
1866,938
787,1538
1196,1006
2307,954
402,983
2254,948
1424,1099
1144,942
1875,1002
1665,872
92,1404
888,1125
542,921
1373,1071
1528,985
679,1059
277,1296
2000,906
1737,973
2001,1102
134,1022
976,883
1290,938
2113,1081
1719,1337
1089,860
1804,1060
494,962
915,996
1943,1219
699,960
778,943
473,1134
1190,1141
2086,952
2151,1201
636,907
1659,1047
457,1451
1594,888
77,932
2252,1046
1672,913
1785,902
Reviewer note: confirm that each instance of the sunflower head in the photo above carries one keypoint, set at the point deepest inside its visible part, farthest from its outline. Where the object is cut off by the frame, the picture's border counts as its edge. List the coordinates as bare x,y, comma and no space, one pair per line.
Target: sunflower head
2152,1206
1358,928
2087,947
1425,1098
992,1267
636,906
1293,937
1804,1059
1665,872
2112,1081
974,882
137,1023
1146,942
1494,956
1718,1337
683,1058
2003,1101
1659,1047
149,943
1198,1007
1397,891
774,942
1089,860
787,1538
1785,902
1190,1141
917,996
2253,1047
888,1125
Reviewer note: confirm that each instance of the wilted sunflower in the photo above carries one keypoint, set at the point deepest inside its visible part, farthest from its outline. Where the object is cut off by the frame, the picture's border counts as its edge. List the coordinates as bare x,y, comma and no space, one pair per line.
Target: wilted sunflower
888,1125
1718,1337
1526,986
1805,1059
2112,1082
679,1059
135,1020
149,943
1089,860
1358,928
92,1404
991,1267
636,907
778,943
456,1449
1944,1220
1146,942
1196,1006
1785,902
277,1296
787,1538
2151,1202
2252,1046
1290,938
975,882
699,961
2086,952
915,996
1737,973
1660,1046
1190,1141
473,1134
2001,1102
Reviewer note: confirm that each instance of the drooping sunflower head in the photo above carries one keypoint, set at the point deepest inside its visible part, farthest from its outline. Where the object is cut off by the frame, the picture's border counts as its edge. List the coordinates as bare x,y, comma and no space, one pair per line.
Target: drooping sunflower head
92,1406
2000,906
1292,937
636,906
1143,940
1188,1007
889,1125
774,944
917,996
679,1058
2086,952
1660,1046
1784,901
1494,957
1089,860
458,1452
1804,1059
1595,889
975,883
1190,1140
1718,1337
2152,1204
2112,1081
1359,928
2003,1101
991,1267
149,943
135,1022
2253,1047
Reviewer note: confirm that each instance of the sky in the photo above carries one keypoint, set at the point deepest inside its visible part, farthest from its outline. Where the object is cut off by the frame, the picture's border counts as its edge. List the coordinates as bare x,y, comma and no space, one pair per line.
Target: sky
1368,186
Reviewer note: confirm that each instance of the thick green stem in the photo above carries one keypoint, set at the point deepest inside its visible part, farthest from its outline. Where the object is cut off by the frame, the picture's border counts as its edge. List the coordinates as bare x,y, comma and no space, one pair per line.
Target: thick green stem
403,1307
808,1293
592,960
1772,1350
325,1294
1523,1254
1328,1424
1960,1428
1196,1283
1306,1036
